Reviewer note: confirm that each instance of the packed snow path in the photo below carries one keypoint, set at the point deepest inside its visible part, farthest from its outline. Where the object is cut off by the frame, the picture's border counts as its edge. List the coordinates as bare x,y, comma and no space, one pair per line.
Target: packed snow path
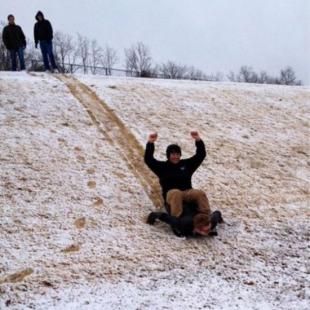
116,132
73,207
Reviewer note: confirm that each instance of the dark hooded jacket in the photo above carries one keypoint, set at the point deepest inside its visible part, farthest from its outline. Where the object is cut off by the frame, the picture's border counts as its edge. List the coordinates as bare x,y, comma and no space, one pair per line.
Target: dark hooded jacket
178,176
13,37
43,30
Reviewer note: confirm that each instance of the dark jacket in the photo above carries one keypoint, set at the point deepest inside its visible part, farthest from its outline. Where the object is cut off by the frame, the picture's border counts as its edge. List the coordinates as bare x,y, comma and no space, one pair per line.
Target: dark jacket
178,176
43,30
13,37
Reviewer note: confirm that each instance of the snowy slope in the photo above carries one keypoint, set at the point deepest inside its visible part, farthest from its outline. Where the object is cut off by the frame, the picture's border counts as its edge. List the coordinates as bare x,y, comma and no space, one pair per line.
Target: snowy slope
74,197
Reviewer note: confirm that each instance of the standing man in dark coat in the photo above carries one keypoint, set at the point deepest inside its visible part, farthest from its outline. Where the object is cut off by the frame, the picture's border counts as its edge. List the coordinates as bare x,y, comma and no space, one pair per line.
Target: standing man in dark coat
15,41
43,33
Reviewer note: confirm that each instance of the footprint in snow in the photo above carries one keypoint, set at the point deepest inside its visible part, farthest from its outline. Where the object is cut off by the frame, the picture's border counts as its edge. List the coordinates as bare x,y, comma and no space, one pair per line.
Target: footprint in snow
91,184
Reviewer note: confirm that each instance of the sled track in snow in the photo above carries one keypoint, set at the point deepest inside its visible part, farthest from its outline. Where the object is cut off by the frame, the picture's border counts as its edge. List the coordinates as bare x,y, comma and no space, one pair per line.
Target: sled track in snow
114,130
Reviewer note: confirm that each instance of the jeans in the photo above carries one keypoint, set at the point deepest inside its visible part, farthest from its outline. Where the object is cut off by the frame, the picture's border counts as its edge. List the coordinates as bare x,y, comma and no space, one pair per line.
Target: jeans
47,54
20,53
176,198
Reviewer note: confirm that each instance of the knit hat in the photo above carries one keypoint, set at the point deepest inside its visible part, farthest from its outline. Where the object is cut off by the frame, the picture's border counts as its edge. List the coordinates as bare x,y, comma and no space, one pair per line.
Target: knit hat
173,148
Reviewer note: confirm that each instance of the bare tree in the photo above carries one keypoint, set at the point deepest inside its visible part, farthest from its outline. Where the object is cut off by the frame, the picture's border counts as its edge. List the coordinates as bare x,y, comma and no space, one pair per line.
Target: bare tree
195,74
33,57
138,59
83,51
96,56
247,75
64,49
218,76
4,55
232,76
171,70
288,77
263,78
155,72
131,61
109,59
244,74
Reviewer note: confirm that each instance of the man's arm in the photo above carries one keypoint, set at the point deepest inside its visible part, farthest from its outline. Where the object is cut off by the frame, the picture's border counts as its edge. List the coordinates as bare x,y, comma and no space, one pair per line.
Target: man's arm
200,155
35,34
149,159
22,36
162,216
5,37
50,28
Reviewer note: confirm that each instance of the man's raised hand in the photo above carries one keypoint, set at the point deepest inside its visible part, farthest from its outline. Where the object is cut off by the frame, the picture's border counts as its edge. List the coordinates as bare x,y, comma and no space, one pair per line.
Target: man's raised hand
195,135
152,137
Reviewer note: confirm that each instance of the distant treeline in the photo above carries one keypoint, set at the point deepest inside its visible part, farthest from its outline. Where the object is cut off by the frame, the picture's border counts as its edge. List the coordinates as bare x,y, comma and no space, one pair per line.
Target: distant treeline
81,52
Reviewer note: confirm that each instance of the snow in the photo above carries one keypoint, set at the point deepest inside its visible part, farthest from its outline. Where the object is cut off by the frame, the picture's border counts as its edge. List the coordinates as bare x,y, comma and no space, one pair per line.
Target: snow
75,195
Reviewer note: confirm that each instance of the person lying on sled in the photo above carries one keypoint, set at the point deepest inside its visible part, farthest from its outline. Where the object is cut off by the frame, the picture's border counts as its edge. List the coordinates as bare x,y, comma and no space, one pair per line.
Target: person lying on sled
183,226
175,178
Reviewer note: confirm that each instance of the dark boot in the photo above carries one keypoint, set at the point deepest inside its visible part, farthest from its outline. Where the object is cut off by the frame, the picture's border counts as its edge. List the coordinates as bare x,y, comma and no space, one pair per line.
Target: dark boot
216,218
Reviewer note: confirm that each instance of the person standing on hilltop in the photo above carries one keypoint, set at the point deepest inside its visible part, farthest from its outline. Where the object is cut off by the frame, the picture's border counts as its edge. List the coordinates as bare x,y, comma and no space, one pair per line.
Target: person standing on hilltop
15,41
43,33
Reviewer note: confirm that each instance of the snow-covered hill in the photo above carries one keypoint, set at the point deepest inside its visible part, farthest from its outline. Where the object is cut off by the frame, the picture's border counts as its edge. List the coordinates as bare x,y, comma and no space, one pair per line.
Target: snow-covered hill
75,193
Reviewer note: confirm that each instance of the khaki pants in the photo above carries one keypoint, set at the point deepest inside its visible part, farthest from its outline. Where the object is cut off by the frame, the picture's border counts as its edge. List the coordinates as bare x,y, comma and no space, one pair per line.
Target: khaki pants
176,197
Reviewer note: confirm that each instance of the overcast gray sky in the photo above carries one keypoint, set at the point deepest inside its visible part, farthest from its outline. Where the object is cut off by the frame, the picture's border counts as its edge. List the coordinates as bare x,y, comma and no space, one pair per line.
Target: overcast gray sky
213,35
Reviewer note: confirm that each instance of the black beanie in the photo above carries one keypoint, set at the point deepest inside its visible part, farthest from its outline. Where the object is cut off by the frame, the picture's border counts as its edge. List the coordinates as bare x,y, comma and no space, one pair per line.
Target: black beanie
173,148
11,15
